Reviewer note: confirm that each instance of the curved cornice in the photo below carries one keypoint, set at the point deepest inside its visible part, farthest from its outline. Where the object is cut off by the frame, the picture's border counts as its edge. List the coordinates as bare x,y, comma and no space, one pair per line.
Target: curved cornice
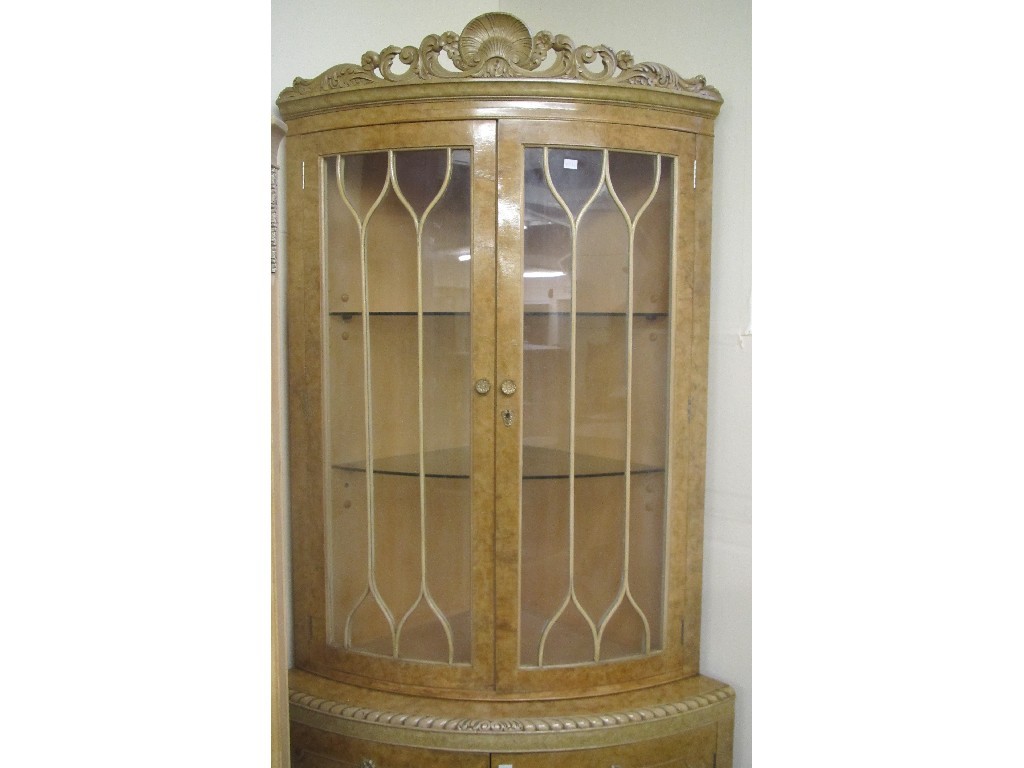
496,47
542,724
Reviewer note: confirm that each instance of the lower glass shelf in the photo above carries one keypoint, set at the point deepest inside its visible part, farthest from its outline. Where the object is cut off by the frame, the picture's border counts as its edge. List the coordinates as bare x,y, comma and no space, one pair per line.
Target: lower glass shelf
446,462
422,640
538,464
575,646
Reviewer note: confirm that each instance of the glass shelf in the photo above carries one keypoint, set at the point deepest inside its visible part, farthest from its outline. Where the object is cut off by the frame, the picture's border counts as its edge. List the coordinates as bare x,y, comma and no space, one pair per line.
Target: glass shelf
531,313
550,464
447,462
413,313
423,641
560,313
538,464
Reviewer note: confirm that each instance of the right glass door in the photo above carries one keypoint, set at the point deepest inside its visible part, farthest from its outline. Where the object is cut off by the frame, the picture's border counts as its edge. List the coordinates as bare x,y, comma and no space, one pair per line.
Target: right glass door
598,240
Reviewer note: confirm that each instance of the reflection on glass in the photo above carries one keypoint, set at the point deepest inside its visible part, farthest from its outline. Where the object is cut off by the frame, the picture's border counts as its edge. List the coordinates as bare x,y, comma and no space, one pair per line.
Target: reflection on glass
597,266
397,246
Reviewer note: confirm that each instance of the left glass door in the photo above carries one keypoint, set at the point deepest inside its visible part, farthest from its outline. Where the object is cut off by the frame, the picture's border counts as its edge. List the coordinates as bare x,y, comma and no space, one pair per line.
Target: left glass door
406,249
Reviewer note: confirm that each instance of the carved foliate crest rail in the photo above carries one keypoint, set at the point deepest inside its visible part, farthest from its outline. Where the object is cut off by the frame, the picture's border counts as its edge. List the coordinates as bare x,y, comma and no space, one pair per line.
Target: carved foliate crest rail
494,46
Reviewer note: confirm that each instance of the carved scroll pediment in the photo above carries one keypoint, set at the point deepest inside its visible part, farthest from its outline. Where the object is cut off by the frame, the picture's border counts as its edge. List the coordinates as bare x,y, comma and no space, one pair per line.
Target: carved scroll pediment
494,46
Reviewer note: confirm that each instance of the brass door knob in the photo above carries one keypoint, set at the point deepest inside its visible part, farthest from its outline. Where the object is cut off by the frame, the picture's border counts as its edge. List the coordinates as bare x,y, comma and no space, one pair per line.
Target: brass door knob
482,386
508,387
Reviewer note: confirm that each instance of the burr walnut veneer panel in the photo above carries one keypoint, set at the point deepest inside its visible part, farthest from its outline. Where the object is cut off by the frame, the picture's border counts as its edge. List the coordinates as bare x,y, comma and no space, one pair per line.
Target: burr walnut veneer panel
498,298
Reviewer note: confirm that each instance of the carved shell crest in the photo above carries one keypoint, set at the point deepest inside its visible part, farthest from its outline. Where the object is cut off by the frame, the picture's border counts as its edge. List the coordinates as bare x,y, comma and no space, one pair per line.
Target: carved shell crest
498,45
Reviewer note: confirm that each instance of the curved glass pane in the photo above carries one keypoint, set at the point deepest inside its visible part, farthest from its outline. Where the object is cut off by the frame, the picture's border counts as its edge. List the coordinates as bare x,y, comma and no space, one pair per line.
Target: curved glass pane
397,241
596,284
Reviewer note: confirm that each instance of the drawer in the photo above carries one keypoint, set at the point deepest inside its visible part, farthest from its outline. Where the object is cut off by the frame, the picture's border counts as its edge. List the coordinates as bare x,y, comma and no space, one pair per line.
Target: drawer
312,748
693,749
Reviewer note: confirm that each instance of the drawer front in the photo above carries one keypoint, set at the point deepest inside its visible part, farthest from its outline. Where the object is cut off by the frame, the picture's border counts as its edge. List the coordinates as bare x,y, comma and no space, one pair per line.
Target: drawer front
312,748
693,749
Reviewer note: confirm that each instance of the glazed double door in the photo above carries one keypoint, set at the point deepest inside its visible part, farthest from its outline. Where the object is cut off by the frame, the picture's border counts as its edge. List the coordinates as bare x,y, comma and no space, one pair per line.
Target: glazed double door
490,375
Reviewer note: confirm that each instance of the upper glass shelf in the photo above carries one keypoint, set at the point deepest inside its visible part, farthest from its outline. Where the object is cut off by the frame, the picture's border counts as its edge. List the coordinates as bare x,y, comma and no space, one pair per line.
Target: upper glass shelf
565,313
403,313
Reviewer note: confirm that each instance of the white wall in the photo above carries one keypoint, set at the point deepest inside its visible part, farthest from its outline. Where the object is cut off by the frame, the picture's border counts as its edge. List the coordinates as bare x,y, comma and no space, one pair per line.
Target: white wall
709,37
308,36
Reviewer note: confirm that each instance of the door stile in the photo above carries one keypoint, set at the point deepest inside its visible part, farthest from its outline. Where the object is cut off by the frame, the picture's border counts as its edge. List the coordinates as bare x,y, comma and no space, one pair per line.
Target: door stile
698,303
484,208
508,437
685,534
305,391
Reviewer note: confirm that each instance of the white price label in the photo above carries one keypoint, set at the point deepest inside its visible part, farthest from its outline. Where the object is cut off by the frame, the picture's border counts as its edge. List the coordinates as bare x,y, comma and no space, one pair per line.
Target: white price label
571,164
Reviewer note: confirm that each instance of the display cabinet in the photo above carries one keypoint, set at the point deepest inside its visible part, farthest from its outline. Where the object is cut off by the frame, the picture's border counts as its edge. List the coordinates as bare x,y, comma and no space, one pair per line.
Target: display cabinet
497,332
